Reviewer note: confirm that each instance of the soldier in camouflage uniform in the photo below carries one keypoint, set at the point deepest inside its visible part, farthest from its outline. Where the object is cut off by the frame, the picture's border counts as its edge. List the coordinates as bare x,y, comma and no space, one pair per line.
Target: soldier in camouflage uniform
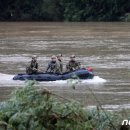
33,67
73,64
53,65
60,63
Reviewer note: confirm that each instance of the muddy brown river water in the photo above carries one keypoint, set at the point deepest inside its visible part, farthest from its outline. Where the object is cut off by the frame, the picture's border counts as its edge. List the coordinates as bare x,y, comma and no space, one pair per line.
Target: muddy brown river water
103,46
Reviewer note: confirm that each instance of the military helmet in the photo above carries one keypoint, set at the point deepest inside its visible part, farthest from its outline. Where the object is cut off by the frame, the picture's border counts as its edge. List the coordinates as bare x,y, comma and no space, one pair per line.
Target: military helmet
34,57
72,56
59,55
53,57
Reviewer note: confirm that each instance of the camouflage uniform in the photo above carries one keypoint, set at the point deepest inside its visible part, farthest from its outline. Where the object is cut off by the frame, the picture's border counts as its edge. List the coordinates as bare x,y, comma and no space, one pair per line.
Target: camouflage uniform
60,66
32,68
72,65
52,67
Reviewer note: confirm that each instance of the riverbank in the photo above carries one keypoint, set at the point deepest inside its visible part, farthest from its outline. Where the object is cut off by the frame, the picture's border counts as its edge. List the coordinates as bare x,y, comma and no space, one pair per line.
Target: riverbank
46,10
31,107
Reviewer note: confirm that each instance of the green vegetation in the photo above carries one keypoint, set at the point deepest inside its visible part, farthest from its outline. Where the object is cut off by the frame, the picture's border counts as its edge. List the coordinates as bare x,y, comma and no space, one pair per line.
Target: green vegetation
33,108
65,10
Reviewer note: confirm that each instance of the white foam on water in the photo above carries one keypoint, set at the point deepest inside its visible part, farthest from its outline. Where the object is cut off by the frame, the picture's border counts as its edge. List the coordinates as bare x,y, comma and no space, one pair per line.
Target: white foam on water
6,79
115,107
95,80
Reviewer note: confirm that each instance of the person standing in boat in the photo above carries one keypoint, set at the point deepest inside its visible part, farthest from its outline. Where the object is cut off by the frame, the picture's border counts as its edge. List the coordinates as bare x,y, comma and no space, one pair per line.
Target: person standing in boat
53,65
60,63
33,67
72,64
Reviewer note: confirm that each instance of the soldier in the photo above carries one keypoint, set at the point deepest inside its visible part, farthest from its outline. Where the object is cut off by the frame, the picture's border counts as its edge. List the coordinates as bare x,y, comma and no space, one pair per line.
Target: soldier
53,65
33,67
73,64
59,60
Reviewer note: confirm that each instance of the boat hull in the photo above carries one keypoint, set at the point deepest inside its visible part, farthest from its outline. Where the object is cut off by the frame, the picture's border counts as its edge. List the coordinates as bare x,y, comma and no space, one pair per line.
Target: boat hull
77,74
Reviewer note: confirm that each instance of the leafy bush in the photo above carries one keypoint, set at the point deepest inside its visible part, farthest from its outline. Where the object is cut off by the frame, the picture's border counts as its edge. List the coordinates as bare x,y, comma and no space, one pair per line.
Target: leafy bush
33,108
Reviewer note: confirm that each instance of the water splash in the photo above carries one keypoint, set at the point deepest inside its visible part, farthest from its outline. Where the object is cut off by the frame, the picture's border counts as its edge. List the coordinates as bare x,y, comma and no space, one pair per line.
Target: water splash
95,80
7,80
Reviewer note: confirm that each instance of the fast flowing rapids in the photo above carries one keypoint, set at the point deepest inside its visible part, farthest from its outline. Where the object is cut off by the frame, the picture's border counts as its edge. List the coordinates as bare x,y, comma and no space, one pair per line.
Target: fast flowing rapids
102,46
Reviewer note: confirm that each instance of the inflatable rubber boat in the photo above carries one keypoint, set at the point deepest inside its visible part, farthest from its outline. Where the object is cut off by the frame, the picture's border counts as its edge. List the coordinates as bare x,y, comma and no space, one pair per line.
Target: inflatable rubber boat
77,74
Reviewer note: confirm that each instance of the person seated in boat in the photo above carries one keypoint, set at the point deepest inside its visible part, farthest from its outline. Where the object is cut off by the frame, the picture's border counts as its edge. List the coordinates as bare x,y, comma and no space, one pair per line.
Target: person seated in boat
33,67
59,60
72,64
53,66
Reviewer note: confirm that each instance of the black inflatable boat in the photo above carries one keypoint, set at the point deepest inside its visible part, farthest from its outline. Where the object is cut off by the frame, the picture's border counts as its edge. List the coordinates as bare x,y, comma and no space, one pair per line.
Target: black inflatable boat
80,74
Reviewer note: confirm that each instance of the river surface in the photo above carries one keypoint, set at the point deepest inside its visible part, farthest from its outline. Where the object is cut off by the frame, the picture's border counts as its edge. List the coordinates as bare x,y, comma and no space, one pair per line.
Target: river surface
103,46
